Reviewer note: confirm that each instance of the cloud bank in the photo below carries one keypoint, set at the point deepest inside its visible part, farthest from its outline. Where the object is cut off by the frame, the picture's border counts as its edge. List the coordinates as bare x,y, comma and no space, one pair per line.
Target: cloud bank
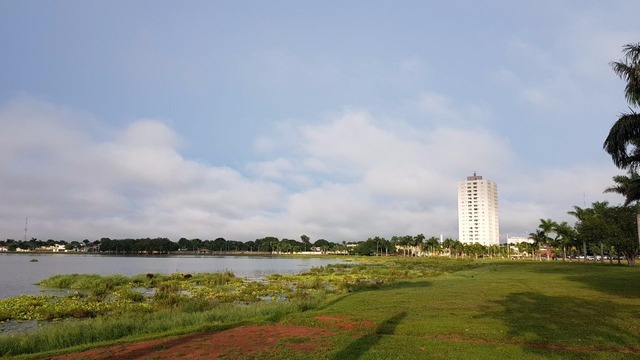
346,177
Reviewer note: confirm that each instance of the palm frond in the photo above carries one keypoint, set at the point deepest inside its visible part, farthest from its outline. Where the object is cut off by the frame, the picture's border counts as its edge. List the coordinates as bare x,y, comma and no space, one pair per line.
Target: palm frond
632,52
629,71
623,133
627,186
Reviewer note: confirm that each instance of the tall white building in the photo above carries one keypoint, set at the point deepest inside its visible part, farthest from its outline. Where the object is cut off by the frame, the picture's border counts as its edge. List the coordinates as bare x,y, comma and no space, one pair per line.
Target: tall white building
478,211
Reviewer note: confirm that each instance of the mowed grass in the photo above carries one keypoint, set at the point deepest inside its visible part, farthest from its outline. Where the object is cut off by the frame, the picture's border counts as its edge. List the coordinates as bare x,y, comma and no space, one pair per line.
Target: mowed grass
501,309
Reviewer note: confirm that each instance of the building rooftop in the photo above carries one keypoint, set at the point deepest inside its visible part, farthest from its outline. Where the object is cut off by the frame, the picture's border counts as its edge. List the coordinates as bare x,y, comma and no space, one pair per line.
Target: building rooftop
474,177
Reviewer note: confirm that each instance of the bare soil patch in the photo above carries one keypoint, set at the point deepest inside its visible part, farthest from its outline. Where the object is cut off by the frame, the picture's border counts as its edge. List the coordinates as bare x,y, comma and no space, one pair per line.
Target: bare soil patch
233,343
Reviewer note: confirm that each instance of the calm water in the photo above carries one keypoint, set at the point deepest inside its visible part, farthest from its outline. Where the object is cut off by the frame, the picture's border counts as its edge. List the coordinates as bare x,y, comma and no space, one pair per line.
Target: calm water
18,274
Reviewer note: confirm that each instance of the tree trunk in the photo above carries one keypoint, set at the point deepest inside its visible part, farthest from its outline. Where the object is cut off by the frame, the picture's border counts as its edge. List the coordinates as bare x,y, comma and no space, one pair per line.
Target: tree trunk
548,251
584,248
601,252
638,222
564,253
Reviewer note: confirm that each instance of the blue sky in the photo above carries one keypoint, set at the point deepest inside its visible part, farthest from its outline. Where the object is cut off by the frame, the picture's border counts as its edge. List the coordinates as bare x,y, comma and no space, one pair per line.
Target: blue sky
341,120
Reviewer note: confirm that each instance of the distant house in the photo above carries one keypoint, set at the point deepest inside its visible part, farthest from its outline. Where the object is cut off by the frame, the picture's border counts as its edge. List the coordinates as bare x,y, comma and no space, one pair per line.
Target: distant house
4,248
52,248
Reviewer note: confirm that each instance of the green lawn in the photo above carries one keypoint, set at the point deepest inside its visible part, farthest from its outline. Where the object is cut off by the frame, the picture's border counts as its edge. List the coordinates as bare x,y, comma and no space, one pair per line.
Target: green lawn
514,309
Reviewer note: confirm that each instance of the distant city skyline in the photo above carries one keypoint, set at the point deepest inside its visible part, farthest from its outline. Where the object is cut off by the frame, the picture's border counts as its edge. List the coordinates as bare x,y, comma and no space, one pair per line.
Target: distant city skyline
339,120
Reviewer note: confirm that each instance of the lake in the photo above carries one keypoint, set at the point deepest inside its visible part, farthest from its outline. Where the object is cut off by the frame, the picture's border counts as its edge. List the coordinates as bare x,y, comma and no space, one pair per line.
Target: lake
18,273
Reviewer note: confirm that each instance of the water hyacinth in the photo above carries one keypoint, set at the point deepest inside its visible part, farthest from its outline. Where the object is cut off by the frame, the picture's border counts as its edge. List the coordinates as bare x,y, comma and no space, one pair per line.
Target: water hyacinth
97,295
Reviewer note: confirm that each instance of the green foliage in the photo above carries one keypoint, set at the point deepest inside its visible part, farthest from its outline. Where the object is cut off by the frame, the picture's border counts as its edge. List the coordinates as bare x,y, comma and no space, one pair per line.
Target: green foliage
48,307
611,225
84,281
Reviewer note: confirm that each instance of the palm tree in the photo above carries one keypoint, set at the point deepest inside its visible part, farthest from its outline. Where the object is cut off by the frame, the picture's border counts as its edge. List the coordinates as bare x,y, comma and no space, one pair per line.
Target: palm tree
449,244
566,237
581,214
598,208
538,238
458,248
429,246
623,140
628,69
547,226
416,243
626,185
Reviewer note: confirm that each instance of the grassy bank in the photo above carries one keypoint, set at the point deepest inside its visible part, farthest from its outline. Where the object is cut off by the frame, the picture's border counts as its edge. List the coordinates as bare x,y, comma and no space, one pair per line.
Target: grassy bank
497,310
420,308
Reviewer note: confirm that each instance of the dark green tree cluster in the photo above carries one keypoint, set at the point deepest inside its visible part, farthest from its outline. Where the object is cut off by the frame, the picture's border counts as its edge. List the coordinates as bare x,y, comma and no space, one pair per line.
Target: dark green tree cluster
268,244
375,246
218,245
138,246
601,231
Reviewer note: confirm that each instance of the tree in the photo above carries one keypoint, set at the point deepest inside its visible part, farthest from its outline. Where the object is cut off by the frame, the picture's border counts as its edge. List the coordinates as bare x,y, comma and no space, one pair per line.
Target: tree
622,232
286,247
416,243
401,242
547,226
623,141
458,248
596,210
267,244
538,237
306,240
624,136
379,244
449,244
629,187
614,225
566,236
432,245
525,247
367,247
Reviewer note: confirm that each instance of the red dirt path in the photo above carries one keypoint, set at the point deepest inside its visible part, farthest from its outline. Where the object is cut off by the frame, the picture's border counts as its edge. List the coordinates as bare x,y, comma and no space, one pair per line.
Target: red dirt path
233,343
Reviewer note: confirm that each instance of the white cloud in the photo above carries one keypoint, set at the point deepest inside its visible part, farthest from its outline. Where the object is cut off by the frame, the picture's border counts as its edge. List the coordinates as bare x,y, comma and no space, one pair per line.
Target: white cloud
348,177
135,183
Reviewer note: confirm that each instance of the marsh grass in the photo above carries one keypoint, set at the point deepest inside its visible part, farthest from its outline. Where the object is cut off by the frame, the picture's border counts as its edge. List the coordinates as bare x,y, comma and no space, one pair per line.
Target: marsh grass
79,334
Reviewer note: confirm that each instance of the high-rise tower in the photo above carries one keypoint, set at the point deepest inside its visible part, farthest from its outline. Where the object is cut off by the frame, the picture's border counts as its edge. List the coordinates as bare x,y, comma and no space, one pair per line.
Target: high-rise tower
478,211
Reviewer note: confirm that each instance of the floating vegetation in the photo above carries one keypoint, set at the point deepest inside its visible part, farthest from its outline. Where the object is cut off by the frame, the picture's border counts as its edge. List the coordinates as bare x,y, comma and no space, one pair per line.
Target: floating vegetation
97,295
34,260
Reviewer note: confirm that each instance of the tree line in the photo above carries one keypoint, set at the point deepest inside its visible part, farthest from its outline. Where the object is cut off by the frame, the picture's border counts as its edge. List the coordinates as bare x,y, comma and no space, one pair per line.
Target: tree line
162,245
602,231
611,231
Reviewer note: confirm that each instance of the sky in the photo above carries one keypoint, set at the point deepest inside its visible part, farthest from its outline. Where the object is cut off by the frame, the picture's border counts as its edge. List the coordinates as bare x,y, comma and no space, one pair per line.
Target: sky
340,120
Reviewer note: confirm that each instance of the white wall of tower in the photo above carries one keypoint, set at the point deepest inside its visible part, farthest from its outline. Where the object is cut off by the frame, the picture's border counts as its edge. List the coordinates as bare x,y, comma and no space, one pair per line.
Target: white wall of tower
478,220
